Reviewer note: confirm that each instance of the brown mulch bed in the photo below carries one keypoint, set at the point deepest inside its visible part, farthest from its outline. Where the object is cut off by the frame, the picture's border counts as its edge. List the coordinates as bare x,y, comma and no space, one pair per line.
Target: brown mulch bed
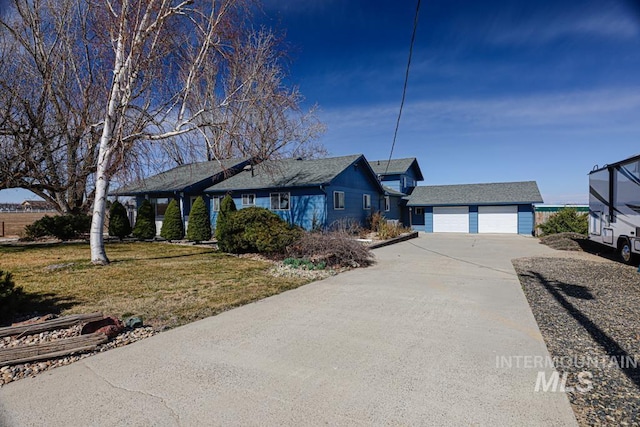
589,315
574,242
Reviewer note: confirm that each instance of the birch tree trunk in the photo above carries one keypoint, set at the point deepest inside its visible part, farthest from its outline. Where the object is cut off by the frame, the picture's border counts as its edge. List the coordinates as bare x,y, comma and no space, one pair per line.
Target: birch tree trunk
98,253
105,154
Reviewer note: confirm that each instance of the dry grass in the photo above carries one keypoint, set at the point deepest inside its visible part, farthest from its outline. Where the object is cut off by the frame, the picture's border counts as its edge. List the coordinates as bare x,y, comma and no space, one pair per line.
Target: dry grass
14,222
166,284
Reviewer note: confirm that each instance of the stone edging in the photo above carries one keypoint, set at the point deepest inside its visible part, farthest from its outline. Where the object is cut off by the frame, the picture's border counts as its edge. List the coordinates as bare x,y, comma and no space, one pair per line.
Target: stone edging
398,239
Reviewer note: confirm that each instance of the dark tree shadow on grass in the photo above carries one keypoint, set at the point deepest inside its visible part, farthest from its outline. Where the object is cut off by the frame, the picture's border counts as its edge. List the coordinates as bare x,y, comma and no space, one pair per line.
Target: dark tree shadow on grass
608,344
23,305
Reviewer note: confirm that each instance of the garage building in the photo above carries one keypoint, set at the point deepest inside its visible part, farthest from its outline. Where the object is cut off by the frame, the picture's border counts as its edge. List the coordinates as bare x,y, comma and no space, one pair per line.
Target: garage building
503,207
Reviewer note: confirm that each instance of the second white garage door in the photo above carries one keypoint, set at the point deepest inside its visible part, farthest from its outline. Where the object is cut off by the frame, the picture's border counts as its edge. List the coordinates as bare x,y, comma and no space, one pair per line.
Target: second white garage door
454,219
498,219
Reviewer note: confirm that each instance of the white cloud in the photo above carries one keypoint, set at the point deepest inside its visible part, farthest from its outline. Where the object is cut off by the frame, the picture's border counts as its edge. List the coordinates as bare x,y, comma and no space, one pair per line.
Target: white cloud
579,109
605,19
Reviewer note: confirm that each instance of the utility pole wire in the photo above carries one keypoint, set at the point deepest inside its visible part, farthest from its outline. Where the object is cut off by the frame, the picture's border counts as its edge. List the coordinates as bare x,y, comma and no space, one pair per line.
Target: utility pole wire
404,89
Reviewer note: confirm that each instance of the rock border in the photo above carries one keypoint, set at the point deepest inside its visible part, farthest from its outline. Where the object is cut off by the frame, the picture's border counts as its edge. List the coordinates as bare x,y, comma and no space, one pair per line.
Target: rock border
388,242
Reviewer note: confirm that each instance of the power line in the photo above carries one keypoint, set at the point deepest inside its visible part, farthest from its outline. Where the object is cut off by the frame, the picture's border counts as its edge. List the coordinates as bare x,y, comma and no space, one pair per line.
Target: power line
406,80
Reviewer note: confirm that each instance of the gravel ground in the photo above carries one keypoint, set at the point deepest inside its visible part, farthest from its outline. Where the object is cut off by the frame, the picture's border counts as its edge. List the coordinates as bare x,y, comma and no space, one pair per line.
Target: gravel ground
25,370
588,311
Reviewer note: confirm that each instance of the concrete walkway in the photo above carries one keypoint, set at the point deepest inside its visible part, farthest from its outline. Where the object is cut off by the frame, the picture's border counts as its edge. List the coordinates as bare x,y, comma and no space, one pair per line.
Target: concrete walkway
413,340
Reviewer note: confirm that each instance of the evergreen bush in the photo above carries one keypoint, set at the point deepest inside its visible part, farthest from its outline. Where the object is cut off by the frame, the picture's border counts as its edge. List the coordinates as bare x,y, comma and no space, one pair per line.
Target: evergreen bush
564,221
227,207
119,225
259,230
11,297
63,227
199,223
172,226
145,227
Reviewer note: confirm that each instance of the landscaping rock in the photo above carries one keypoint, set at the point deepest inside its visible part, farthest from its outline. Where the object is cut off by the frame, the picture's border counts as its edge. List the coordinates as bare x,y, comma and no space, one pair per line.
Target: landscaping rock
13,373
588,313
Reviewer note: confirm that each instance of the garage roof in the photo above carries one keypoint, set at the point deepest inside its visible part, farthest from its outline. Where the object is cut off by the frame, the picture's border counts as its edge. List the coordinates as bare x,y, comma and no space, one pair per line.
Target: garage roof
497,193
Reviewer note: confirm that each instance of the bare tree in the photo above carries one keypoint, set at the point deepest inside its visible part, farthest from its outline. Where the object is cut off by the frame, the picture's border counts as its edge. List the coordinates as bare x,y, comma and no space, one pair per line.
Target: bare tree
97,84
48,114
258,115
261,116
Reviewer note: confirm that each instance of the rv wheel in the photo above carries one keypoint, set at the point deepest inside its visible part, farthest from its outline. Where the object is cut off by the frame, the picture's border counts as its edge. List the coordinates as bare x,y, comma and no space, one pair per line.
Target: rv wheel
624,249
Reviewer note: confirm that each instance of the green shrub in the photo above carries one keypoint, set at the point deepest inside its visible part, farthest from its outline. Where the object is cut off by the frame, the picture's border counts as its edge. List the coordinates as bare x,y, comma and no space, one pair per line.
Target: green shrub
11,297
63,227
119,225
199,223
172,226
566,220
304,264
145,227
227,207
257,230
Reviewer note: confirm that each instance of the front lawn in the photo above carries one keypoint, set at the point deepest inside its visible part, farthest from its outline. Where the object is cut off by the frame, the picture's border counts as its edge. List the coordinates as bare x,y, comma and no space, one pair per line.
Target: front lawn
165,284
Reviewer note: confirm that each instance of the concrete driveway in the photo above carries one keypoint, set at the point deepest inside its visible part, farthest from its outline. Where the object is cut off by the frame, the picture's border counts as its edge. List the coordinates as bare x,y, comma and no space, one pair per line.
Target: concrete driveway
421,338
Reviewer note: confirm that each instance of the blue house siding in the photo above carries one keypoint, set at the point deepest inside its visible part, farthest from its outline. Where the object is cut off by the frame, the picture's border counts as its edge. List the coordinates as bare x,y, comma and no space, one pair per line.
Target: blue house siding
355,183
307,205
428,219
473,219
525,219
398,181
420,221
411,181
395,208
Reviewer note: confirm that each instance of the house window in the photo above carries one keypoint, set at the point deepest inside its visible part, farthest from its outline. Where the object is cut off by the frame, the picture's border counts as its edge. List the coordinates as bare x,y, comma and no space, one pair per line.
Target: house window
366,201
216,203
404,181
280,201
338,200
419,211
248,200
387,204
160,206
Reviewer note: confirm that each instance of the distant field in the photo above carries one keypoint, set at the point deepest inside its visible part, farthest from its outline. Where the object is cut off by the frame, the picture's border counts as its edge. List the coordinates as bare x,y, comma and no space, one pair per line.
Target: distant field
14,222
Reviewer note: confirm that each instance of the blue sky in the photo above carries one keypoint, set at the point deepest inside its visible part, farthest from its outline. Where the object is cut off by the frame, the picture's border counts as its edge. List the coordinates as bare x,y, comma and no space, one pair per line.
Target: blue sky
498,91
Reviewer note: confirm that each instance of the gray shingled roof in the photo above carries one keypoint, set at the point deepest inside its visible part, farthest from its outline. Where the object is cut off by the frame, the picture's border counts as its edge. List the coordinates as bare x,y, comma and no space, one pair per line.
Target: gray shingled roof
391,192
396,167
287,173
181,177
500,193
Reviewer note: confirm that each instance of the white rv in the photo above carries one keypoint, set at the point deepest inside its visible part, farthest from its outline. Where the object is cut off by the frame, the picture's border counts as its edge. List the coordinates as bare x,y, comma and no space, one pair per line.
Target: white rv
614,207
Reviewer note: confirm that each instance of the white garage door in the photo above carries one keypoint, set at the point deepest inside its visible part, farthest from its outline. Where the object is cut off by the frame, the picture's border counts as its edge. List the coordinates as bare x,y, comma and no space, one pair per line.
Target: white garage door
453,219
498,219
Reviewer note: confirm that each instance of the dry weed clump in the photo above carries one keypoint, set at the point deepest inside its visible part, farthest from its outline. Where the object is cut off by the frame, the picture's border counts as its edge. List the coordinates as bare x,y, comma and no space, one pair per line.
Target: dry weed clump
336,249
